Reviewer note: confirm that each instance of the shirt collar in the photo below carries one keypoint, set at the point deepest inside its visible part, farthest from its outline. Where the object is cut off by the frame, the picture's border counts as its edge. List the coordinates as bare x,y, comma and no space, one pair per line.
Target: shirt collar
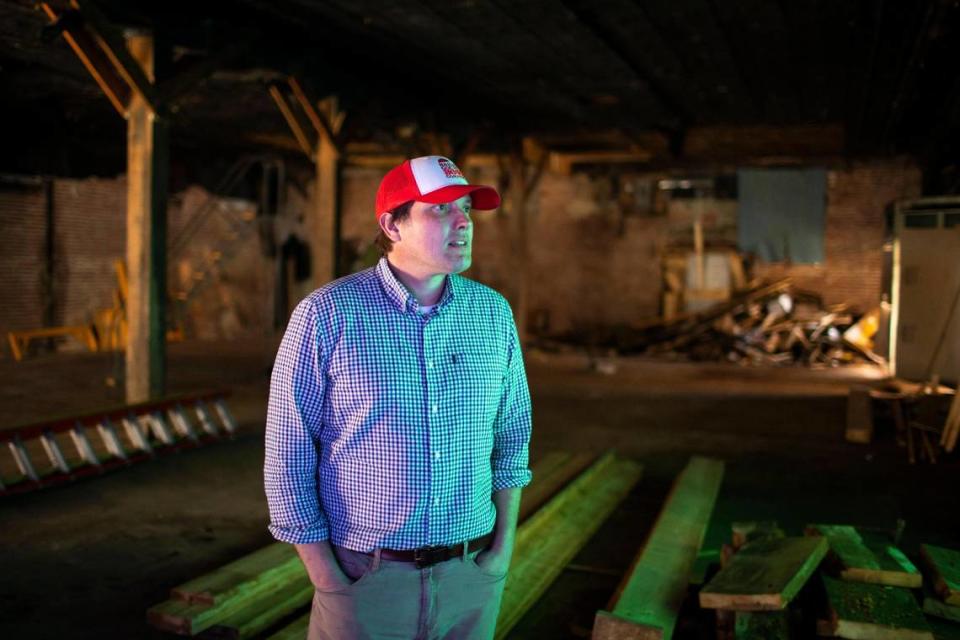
402,298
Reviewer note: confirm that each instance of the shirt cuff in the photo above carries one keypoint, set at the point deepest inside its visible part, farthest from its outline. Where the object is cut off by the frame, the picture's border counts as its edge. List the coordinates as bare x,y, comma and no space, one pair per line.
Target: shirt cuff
511,479
300,535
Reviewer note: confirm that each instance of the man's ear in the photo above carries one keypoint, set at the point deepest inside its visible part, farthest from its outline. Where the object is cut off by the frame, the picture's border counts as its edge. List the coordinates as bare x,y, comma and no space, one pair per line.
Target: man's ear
389,227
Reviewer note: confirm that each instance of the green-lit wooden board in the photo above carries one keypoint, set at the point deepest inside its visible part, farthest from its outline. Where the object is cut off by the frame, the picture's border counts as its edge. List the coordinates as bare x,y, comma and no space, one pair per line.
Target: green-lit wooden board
648,601
761,625
187,618
765,575
868,557
550,474
552,536
240,575
296,630
262,614
943,567
866,611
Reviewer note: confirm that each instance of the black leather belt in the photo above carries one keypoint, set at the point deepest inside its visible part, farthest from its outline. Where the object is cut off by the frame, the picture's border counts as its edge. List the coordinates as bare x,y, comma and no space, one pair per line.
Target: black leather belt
428,556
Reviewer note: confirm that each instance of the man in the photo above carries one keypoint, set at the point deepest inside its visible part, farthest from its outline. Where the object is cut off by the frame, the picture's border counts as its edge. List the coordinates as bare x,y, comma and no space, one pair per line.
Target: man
398,426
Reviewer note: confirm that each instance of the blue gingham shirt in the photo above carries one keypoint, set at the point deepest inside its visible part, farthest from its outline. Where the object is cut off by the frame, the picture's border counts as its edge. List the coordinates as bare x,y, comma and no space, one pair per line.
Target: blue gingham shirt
388,427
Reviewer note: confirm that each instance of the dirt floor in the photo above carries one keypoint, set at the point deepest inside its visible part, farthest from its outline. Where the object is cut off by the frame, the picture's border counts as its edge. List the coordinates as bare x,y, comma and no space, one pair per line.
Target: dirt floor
86,560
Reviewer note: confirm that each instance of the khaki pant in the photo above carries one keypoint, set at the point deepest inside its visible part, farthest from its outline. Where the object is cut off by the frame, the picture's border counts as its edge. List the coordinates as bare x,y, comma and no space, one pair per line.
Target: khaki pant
455,599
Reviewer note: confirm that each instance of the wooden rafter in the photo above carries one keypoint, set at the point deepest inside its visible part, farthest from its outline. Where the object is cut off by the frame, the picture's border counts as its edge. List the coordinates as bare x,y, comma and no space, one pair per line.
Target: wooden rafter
91,55
292,121
116,50
107,60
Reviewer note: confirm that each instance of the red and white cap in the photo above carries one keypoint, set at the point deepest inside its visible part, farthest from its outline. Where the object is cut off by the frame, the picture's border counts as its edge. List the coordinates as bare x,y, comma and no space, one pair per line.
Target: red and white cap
432,179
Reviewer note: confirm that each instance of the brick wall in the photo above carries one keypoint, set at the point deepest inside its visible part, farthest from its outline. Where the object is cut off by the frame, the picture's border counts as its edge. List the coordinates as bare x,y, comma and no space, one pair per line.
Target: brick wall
857,197
23,237
589,263
89,221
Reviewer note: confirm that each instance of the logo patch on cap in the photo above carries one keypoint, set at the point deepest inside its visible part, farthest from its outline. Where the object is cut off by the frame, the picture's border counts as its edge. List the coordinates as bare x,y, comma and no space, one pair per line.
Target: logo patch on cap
449,169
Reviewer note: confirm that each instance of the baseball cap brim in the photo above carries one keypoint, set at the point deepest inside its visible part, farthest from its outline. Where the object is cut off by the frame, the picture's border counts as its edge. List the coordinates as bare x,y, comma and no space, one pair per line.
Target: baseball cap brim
484,198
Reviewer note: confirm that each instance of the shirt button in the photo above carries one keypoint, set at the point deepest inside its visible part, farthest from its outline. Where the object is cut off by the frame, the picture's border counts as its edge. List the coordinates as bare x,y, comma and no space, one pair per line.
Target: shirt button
436,502
434,409
436,455
429,364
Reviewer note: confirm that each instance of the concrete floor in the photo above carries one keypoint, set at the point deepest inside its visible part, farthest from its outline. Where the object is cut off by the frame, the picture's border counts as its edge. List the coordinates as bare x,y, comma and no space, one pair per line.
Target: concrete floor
85,561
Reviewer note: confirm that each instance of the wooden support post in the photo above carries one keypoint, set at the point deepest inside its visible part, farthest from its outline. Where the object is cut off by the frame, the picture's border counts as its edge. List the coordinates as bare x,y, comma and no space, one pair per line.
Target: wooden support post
518,229
326,198
146,238
324,224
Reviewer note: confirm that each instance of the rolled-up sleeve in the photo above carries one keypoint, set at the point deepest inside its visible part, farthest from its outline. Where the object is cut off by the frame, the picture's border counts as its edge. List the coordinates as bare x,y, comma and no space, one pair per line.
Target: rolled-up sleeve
293,428
511,435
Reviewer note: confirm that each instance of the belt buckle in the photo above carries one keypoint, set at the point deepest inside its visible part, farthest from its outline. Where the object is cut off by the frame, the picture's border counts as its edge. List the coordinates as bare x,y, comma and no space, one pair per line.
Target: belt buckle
428,556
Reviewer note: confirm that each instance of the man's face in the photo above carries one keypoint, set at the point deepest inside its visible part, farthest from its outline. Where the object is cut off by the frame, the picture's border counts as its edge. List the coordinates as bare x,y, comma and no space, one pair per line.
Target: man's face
436,238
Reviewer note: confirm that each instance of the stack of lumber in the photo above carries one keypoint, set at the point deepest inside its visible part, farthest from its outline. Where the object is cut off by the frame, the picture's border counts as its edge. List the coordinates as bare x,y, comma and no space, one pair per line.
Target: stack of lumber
571,496
942,568
865,611
238,600
868,594
760,581
766,324
858,582
648,600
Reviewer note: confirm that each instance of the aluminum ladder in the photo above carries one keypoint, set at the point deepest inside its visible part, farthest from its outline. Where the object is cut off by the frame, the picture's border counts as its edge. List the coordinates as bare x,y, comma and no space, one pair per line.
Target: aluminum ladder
67,449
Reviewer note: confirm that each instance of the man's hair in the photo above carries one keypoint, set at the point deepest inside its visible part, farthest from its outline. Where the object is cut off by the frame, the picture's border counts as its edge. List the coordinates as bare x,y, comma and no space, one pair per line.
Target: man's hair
399,214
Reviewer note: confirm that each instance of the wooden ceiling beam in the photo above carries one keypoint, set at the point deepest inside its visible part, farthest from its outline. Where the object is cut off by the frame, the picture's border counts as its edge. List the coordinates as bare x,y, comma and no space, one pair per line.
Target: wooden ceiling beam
320,124
91,56
296,127
116,50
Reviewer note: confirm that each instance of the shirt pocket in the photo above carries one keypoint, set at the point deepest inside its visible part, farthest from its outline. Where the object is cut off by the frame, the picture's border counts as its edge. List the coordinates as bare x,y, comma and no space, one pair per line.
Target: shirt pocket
479,375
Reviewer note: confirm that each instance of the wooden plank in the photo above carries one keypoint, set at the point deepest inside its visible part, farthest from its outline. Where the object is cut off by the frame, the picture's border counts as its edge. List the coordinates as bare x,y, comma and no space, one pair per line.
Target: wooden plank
765,575
550,474
867,558
296,630
188,618
865,611
943,567
238,576
933,606
648,600
762,625
552,536
263,614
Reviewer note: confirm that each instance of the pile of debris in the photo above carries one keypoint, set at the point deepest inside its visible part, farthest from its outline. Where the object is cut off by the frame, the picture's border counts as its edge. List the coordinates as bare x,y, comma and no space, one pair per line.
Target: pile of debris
774,325
767,324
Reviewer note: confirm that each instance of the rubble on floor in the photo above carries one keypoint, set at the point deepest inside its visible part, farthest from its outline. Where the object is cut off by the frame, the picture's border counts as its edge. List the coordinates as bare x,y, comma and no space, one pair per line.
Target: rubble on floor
767,324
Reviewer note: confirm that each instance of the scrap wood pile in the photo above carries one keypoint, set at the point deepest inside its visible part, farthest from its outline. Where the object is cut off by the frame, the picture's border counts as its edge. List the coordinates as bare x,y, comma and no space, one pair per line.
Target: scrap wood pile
768,324
835,581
